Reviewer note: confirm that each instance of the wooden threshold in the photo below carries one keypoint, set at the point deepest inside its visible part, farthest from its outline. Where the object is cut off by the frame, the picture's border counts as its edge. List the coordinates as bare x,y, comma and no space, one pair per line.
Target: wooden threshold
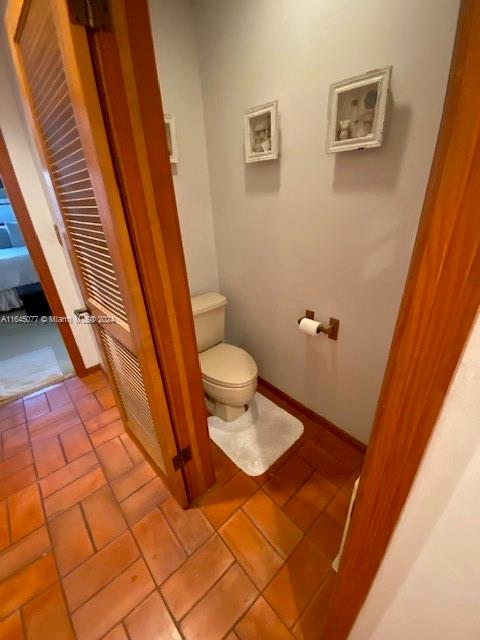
93,369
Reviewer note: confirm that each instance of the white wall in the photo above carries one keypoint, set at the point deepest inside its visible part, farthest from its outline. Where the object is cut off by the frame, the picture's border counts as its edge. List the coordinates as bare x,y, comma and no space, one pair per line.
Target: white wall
329,233
177,64
428,585
27,170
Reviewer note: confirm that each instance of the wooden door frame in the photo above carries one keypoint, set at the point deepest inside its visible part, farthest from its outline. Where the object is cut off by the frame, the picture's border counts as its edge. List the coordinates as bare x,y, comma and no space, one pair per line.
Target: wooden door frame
38,258
438,309
127,81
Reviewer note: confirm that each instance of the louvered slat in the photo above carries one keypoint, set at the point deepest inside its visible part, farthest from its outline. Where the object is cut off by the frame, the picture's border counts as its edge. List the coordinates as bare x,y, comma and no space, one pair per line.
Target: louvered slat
128,378
53,112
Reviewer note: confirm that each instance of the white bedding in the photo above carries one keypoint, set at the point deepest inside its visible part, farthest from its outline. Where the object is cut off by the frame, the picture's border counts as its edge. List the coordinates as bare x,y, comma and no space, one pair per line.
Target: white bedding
16,268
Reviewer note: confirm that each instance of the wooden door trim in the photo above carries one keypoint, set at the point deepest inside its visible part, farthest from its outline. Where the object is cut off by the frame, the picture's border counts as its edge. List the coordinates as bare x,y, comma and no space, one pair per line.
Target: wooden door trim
438,309
128,86
38,257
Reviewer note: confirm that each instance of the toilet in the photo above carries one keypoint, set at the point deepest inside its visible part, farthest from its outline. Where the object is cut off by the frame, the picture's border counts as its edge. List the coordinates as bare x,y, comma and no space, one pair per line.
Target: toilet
229,374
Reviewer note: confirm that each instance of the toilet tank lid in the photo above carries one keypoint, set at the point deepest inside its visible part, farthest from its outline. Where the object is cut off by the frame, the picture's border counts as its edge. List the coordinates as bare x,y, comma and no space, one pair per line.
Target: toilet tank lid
207,302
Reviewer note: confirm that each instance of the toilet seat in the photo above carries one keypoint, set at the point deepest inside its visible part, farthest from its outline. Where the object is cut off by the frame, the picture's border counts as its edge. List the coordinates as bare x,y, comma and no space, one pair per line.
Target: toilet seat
228,367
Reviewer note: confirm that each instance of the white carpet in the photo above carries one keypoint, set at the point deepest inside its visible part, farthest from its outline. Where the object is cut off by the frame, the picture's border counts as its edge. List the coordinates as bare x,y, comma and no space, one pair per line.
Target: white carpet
17,338
28,372
258,438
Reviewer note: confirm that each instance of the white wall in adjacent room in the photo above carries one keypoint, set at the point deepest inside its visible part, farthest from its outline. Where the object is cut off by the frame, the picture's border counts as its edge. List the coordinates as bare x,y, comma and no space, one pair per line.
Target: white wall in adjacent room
332,233
28,172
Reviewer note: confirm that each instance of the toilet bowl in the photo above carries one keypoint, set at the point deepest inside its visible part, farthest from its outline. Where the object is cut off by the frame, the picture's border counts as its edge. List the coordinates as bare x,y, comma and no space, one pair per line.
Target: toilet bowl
229,374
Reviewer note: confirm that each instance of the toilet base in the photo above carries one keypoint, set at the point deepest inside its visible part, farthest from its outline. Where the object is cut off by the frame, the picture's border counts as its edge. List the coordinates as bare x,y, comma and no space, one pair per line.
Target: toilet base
225,412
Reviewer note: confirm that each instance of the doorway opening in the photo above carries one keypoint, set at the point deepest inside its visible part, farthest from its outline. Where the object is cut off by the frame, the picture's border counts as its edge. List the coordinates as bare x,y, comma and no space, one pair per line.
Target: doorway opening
34,350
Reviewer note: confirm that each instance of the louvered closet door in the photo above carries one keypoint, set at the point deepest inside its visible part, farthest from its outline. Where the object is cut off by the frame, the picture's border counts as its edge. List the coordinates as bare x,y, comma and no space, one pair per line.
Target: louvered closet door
54,66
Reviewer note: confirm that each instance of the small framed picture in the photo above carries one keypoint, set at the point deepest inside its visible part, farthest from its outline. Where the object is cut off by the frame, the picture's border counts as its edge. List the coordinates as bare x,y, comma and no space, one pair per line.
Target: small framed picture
171,138
356,111
261,132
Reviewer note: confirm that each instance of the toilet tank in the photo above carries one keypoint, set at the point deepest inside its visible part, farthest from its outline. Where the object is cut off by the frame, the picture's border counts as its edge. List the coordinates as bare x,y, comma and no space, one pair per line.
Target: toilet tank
209,317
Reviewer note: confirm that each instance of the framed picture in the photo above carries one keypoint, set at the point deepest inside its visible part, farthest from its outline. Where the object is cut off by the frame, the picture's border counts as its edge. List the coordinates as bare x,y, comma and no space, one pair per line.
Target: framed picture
356,111
261,132
171,138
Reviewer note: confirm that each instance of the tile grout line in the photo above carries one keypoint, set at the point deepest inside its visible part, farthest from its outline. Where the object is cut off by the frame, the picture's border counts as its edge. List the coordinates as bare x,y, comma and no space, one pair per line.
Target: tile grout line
124,448
238,561
137,488
89,533
9,524
296,490
324,508
101,426
239,507
285,514
156,586
284,560
260,488
95,552
62,449
95,593
19,468
129,527
301,487
97,464
244,614
323,511
172,530
58,513
325,577
124,627
259,595
134,464
304,533
48,401
59,576
19,541
234,561
255,527
22,619
52,548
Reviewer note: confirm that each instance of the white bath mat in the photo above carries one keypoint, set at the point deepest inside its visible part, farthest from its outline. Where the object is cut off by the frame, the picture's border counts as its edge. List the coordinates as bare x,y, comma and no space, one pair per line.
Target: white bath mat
258,438
28,372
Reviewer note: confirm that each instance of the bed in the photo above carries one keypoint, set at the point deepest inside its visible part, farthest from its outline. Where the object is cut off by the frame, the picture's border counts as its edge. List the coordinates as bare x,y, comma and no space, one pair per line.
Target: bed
16,267
16,270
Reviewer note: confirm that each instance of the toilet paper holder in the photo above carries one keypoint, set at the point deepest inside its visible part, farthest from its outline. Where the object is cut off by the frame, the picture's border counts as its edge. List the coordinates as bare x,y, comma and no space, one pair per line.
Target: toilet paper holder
331,329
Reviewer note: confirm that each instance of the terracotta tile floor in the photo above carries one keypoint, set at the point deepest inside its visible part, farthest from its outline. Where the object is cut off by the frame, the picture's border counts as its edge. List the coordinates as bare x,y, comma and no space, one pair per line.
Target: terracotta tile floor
92,545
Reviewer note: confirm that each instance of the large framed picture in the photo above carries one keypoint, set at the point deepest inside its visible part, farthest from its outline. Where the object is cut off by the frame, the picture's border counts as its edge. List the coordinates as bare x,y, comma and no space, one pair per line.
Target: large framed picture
261,132
356,111
171,138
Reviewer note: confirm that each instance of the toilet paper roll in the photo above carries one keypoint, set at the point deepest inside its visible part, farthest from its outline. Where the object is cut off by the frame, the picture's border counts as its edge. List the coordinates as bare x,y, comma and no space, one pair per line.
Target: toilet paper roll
311,327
